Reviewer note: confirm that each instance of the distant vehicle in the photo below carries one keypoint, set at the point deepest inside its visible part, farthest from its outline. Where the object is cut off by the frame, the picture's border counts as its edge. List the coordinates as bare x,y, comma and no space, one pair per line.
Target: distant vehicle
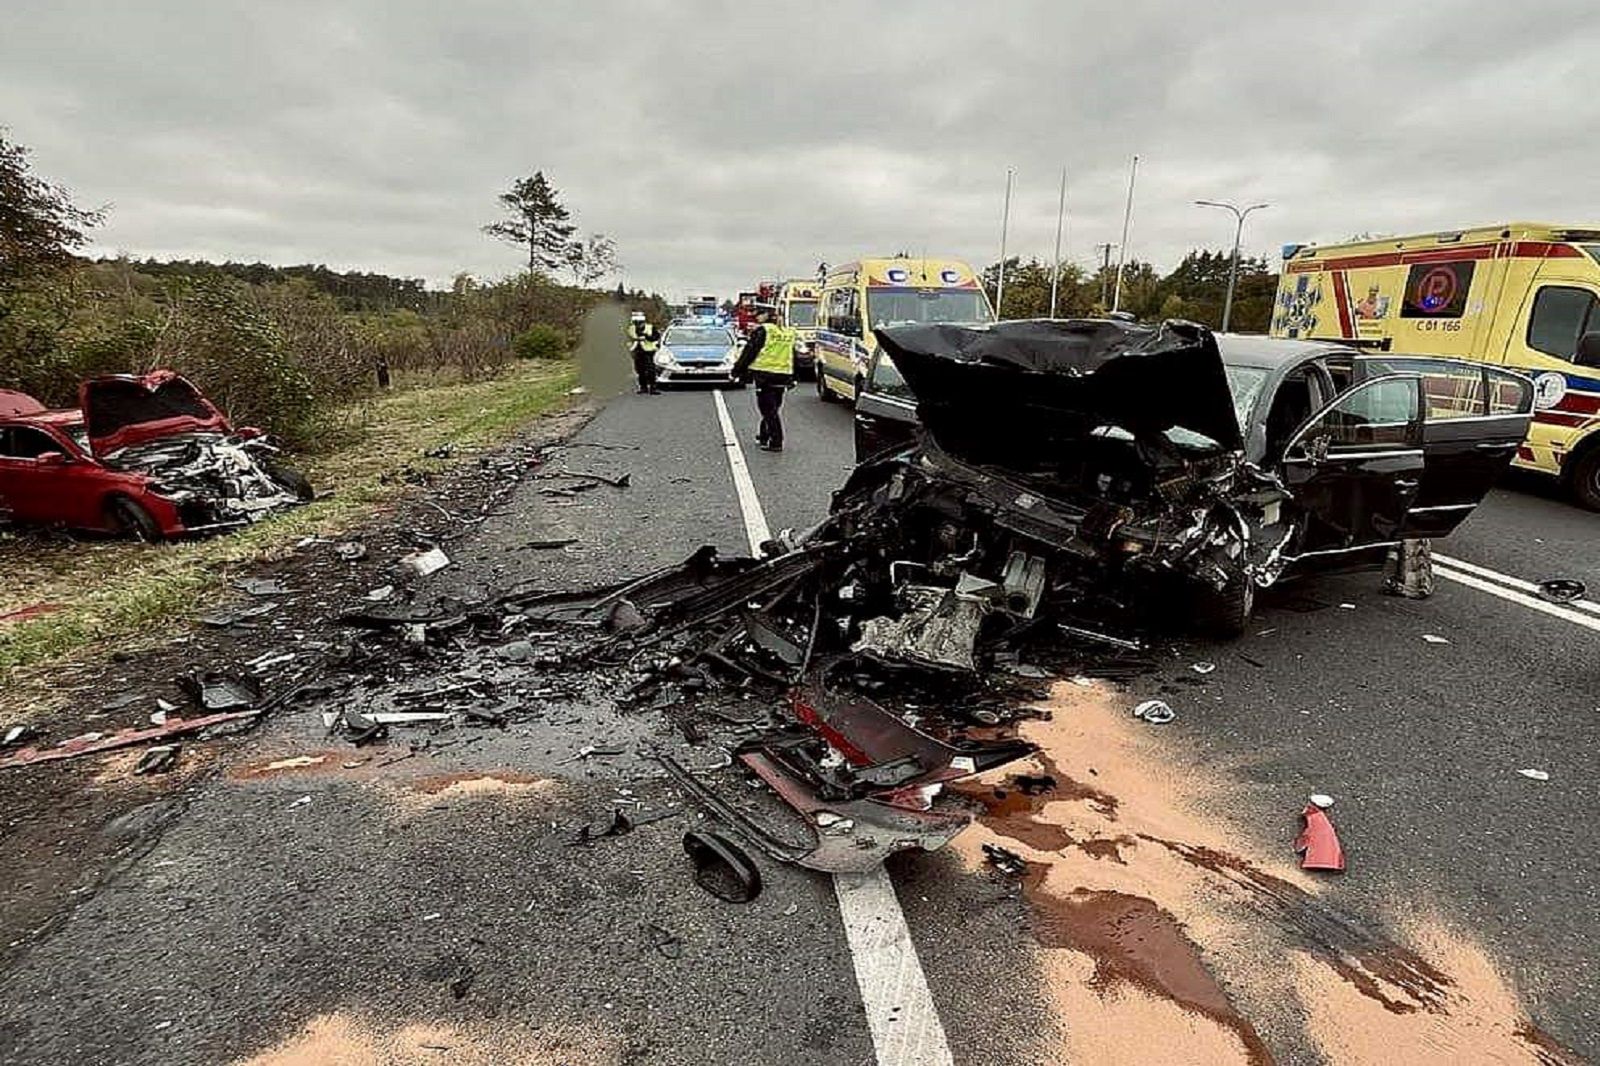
797,308
1225,460
744,313
704,309
147,456
696,354
1522,295
859,297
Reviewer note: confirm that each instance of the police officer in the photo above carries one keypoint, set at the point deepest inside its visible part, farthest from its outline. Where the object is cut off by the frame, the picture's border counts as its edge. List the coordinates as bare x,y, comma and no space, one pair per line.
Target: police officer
643,340
768,360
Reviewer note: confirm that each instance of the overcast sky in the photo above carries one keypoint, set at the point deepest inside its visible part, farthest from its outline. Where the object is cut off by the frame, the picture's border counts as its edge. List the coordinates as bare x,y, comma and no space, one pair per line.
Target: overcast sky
723,142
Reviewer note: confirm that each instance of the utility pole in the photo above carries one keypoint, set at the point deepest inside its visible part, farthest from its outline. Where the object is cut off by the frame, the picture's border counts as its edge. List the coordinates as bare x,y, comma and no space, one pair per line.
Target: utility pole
1061,218
1005,221
1127,218
1238,231
1105,272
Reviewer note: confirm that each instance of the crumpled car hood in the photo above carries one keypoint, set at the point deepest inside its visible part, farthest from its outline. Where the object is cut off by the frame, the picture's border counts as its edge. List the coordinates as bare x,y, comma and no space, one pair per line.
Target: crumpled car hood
994,394
124,410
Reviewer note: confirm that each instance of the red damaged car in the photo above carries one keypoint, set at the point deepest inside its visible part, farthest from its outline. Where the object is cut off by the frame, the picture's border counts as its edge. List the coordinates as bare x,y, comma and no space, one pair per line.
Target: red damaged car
144,455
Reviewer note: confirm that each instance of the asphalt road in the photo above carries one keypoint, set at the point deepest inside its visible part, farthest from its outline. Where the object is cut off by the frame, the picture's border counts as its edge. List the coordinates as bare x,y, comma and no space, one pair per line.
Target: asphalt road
262,920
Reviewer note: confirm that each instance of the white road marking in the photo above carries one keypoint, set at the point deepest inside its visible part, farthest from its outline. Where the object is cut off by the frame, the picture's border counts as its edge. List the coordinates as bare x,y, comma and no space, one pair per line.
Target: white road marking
1554,610
1514,582
905,1026
755,520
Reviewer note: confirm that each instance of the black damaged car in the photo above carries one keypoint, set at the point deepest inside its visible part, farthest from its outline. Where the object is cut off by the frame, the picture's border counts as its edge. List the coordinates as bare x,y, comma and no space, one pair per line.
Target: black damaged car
1105,458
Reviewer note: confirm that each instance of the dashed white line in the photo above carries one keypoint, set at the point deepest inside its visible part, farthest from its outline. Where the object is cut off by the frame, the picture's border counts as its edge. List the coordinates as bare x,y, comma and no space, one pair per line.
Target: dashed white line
905,1026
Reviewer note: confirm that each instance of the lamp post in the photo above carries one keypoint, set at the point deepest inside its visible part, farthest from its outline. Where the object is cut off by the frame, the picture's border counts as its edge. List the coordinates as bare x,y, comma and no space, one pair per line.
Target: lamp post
1238,232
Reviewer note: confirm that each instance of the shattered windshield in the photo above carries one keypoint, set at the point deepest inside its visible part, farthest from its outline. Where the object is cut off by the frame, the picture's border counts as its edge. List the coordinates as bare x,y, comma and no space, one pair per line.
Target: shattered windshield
802,313
887,307
1245,383
698,338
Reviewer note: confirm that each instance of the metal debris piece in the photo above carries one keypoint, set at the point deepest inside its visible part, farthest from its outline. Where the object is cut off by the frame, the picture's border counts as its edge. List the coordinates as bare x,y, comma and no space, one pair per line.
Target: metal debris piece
618,825
221,692
1203,667
1434,638
303,801
721,867
1318,845
1156,712
1005,860
1535,775
237,616
1321,800
90,743
17,735
381,593
1562,590
157,760
425,562
1083,633
351,551
262,586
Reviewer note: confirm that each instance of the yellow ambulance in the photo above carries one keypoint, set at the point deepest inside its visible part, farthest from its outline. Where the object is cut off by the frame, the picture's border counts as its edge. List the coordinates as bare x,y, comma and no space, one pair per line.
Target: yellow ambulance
797,308
1523,295
861,296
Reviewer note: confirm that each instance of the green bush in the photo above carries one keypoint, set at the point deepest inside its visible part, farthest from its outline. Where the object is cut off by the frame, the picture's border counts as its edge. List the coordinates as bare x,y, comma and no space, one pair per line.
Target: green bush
540,341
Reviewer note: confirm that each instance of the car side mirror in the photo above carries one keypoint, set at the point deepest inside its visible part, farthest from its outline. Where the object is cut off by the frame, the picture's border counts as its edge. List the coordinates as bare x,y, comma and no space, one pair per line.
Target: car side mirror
1312,449
1588,353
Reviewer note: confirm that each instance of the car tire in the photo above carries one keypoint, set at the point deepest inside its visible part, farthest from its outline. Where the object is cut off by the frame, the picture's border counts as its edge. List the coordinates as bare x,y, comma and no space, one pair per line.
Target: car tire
824,393
290,478
1225,612
1584,480
129,518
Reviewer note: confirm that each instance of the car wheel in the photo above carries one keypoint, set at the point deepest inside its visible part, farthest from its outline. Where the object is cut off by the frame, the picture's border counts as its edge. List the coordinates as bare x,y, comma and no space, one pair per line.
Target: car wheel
1225,612
130,519
290,478
824,393
1585,480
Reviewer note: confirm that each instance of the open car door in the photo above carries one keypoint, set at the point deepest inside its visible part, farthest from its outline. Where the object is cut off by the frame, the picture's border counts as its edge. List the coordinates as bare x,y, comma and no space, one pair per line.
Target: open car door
1474,419
1355,467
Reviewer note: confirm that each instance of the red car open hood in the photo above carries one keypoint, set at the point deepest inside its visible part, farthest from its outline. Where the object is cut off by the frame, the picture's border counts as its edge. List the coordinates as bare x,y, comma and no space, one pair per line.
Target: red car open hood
122,410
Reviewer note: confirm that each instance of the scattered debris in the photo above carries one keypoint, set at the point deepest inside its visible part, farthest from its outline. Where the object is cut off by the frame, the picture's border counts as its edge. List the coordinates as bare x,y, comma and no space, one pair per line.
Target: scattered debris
1434,638
351,551
91,743
618,825
381,593
1156,712
1318,845
425,562
157,760
303,801
1203,667
1321,800
17,735
1562,590
721,867
1535,775
1005,860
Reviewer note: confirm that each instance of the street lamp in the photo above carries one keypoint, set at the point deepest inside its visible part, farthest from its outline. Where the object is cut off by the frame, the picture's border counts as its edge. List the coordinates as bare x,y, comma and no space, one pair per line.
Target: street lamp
1233,272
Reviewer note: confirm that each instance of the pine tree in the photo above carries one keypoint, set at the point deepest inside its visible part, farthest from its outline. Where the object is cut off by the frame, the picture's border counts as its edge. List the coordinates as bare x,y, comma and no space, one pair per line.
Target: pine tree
538,221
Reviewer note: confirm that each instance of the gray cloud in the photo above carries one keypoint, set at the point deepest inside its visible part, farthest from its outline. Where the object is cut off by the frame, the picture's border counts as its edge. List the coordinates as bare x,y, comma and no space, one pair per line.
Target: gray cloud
722,142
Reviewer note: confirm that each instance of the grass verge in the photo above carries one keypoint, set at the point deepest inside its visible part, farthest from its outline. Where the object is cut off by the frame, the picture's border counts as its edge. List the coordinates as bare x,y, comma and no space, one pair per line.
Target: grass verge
107,590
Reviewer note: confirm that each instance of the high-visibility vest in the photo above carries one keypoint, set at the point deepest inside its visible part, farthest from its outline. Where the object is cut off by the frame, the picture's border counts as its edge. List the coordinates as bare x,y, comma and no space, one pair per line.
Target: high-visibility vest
777,353
643,336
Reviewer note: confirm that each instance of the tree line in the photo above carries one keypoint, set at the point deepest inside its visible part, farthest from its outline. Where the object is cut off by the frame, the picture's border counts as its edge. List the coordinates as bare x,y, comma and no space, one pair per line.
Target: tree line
1195,290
